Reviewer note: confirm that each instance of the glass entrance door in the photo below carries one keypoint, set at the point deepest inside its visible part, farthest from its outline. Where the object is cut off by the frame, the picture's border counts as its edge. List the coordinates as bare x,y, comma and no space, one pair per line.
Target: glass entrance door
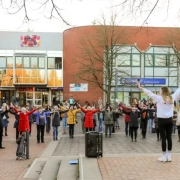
45,98
38,99
29,98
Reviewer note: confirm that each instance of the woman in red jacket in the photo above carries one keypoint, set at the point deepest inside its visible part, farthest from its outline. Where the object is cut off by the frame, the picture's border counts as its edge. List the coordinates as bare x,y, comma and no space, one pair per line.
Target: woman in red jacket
126,118
23,118
88,123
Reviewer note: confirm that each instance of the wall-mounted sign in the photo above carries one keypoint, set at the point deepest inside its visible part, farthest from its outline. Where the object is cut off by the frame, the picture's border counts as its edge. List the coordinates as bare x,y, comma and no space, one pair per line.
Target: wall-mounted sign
143,80
42,89
30,41
79,87
25,89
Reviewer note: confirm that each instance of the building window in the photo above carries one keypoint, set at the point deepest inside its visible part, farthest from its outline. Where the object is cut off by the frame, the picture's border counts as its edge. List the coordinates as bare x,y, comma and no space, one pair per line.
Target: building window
173,60
160,60
42,62
148,60
10,62
58,63
50,63
26,62
18,62
135,60
2,62
123,60
34,62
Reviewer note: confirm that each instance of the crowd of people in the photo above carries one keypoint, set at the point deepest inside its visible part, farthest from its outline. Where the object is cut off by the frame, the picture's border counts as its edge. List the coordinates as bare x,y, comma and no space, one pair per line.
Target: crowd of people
159,114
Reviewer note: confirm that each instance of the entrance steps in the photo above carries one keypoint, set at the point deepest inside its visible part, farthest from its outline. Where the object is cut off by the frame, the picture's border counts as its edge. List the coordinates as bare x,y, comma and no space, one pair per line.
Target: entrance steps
52,168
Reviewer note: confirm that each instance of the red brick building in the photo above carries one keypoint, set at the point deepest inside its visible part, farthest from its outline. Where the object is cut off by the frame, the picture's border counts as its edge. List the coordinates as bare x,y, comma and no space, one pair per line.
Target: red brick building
141,38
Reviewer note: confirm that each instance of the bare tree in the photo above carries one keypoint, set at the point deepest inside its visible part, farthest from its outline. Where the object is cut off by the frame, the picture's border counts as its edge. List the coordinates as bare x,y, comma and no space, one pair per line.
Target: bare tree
31,10
99,50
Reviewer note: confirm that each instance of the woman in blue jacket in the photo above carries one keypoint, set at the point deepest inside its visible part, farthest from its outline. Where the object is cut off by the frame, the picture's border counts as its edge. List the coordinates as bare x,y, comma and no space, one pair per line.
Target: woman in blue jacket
41,122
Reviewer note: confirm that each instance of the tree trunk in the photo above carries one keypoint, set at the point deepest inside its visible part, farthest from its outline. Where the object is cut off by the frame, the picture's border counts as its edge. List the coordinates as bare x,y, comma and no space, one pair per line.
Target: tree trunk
108,95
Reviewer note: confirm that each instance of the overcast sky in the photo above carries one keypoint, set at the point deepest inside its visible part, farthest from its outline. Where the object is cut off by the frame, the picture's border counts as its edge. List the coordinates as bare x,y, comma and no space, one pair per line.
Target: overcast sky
84,12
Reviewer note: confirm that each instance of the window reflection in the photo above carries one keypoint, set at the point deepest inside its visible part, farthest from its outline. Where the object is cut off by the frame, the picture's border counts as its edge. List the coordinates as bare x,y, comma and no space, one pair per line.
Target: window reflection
33,62
123,60
50,63
2,62
58,63
161,60
41,62
148,60
18,62
136,60
10,62
26,62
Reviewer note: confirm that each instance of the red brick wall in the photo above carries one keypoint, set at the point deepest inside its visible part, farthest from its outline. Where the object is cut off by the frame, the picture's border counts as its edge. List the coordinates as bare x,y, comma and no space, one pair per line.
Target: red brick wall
142,36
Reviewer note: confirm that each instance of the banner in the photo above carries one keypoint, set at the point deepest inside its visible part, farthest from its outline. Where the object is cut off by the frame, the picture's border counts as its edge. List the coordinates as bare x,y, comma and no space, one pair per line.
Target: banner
79,87
30,41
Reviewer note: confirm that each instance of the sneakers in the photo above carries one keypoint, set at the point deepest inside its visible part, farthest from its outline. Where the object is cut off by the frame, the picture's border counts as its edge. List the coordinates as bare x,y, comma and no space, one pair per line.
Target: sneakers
169,157
163,158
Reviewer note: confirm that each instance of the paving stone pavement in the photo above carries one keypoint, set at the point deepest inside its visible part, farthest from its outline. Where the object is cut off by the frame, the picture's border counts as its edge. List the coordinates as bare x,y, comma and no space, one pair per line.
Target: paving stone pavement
10,168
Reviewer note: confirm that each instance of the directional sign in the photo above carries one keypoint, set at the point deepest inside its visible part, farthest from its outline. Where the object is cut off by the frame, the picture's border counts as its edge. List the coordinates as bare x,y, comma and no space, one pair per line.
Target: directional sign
160,81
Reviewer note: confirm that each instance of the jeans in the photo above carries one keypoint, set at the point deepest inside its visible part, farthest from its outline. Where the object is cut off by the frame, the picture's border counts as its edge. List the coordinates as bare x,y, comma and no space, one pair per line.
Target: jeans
100,124
117,122
64,120
55,131
174,129
127,128
150,124
108,126
165,129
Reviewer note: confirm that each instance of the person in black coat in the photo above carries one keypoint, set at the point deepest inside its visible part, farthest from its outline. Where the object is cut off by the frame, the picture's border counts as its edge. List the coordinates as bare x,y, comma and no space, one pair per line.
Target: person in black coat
144,118
56,121
2,113
133,124
16,123
48,119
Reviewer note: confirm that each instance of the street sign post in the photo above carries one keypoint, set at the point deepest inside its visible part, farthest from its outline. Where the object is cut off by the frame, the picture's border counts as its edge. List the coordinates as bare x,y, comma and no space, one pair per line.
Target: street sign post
159,81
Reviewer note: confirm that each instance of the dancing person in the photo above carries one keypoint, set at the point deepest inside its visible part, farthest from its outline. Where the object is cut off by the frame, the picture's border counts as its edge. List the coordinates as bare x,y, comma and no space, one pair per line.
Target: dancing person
133,123
2,113
16,122
48,119
41,123
5,118
178,123
88,123
126,118
30,117
56,120
165,106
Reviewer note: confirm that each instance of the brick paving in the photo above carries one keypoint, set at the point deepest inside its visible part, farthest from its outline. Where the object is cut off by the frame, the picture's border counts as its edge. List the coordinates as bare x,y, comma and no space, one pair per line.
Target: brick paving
122,159
10,168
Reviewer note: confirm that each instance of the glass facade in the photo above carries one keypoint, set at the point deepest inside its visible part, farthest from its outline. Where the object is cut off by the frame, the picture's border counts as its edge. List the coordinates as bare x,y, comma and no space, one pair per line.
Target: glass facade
26,67
156,62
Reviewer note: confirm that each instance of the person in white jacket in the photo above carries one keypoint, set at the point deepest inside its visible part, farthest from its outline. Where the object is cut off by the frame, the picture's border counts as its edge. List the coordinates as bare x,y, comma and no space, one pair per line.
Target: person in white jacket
165,106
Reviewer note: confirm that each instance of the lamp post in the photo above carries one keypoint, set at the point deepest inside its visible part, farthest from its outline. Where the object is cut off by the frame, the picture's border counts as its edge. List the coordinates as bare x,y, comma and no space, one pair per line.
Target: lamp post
116,89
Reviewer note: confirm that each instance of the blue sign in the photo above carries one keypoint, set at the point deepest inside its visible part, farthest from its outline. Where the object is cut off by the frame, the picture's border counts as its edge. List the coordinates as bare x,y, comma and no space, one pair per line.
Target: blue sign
160,81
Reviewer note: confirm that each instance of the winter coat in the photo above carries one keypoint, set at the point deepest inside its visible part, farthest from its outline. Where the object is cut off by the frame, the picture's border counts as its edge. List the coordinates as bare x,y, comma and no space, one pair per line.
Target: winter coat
126,117
88,123
37,114
56,117
30,117
133,118
23,120
16,123
2,113
72,116
108,116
